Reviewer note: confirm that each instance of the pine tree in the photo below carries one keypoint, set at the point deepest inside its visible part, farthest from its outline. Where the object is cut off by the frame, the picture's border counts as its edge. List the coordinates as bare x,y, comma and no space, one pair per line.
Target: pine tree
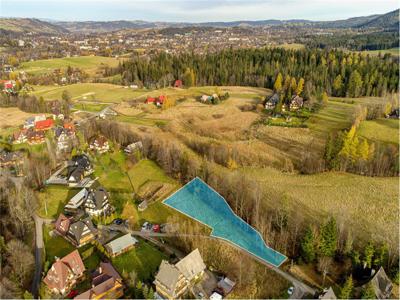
368,255
307,246
338,85
368,292
355,84
328,238
347,289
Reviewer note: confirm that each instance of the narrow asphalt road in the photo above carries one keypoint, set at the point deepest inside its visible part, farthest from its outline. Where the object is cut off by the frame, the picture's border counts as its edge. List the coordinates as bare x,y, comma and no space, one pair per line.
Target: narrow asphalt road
300,289
39,246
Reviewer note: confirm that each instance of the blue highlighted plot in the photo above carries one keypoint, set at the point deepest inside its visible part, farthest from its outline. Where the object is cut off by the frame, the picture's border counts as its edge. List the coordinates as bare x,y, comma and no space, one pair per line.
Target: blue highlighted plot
200,202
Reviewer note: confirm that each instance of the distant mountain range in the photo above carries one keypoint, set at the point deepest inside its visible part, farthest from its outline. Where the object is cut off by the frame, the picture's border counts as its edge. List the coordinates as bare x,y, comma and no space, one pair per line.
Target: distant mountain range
388,21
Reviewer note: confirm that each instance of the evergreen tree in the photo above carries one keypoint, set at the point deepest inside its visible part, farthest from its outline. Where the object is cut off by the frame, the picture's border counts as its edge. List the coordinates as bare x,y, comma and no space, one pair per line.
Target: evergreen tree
347,289
328,238
307,246
368,292
368,255
381,255
338,85
355,84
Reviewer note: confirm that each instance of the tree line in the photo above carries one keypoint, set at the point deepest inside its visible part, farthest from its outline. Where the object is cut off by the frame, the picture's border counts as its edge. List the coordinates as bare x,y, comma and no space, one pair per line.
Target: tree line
336,72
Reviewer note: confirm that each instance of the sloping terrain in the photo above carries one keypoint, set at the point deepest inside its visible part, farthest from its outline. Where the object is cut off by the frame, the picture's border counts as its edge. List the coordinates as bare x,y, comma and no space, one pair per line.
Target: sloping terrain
23,25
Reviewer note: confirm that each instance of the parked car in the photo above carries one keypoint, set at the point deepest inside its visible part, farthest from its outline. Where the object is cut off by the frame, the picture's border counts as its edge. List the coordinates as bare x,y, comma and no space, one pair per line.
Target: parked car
72,294
147,226
290,290
118,221
156,228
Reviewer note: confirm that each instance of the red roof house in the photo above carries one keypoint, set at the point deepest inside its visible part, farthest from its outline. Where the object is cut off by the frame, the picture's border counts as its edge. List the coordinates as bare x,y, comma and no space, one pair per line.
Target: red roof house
150,100
178,83
64,273
44,125
161,99
62,224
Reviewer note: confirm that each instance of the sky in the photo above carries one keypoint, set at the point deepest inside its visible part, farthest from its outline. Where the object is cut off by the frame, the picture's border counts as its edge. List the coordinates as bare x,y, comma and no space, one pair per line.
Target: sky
193,11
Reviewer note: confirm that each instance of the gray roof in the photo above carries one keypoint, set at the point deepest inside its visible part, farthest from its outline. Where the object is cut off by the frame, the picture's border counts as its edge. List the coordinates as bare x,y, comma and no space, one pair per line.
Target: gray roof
121,243
168,275
191,265
77,200
328,294
382,284
81,228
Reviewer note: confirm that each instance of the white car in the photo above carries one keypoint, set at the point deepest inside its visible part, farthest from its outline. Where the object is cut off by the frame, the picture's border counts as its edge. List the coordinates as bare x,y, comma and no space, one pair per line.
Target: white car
290,290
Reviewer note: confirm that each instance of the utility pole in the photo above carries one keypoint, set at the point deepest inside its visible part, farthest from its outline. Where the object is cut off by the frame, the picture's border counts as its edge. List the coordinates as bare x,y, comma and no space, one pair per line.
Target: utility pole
130,181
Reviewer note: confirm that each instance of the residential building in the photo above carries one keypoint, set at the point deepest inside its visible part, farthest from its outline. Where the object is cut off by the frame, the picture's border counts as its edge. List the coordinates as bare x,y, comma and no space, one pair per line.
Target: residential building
131,148
81,232
99,144
226,286
19,137
30,122
272,101
121,245
78,167
35,137
296,102
174,281
62,224
178,83
170,282
44,124
106,284
97,203
65,273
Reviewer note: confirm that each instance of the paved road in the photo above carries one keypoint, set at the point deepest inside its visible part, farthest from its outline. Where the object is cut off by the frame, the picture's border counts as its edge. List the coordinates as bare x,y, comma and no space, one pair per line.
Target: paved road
300,289
39,246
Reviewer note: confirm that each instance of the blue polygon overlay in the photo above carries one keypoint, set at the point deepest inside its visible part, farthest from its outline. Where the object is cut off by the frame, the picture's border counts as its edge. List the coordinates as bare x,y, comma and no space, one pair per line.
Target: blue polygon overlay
199,201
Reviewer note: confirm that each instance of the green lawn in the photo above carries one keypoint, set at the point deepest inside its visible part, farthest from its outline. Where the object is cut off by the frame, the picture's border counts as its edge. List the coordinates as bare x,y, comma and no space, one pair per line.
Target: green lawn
55,245
87,63
93,107
144,260
380,130
97,92
54,198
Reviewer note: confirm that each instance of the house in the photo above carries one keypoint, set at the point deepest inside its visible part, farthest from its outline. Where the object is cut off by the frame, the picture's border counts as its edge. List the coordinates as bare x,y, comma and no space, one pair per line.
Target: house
13,161
381,284
327,294
81,232
150,100
69,127
121,245
30,122
62,224
160,100
272,101
44,124
97,203
35,137
9,86
131,148
296,102
7,69
99,144
170,282
394,114
226,286
173,281
65,273
63,142
192,266
78,167
76,201
106,284
20,137
178,83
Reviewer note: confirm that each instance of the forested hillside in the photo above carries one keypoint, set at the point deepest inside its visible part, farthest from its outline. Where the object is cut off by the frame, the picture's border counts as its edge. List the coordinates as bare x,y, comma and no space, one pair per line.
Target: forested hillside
336,72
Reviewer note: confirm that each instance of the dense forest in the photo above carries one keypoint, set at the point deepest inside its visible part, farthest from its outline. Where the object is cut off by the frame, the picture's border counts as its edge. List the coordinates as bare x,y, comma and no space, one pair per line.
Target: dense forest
358,42
336,72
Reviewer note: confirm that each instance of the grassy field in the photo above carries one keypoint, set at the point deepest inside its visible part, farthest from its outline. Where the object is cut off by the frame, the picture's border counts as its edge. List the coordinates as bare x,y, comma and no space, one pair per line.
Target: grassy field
381,130
392,51
369,204
87,63
95,92
143,260
54,198
55,245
